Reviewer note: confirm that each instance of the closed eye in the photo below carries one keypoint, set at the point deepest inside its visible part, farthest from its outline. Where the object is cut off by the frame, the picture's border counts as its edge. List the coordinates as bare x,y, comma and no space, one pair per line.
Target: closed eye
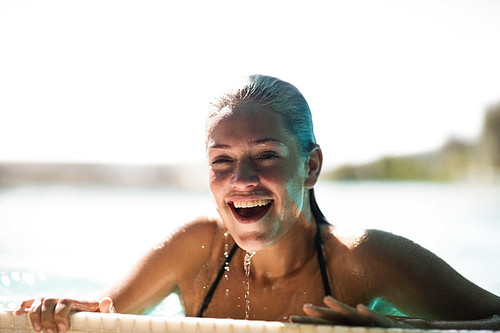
268,156
221,160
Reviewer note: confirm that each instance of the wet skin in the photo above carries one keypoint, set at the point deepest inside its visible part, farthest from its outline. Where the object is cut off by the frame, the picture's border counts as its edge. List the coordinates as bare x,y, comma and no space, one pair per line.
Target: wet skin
251,158
253,161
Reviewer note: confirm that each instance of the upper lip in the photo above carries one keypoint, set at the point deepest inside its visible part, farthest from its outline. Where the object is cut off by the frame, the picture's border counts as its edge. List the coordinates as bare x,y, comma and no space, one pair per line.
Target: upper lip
245,198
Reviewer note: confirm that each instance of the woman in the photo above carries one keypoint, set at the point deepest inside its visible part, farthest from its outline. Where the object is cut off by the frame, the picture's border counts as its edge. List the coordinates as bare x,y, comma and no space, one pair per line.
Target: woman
273,256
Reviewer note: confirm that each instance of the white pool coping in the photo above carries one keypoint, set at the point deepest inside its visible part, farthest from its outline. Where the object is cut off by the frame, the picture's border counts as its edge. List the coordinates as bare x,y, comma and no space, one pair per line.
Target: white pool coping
86,322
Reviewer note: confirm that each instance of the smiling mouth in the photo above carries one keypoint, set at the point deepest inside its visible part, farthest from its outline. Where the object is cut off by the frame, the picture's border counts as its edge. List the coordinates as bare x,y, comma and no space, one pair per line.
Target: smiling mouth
248,211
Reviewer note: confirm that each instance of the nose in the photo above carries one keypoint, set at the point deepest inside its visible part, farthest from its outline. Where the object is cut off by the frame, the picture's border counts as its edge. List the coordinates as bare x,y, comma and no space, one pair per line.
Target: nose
244,176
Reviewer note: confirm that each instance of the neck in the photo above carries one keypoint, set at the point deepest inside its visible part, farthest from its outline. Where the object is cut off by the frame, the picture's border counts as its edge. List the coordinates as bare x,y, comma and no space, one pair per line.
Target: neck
288,255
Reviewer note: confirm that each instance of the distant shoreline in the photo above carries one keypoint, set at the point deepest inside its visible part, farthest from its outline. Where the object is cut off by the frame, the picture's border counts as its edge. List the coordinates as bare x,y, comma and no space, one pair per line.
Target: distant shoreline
179,176
455,160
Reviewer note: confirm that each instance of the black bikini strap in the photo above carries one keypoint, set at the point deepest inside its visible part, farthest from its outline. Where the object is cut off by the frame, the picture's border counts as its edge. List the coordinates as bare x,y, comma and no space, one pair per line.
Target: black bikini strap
322,265
211,291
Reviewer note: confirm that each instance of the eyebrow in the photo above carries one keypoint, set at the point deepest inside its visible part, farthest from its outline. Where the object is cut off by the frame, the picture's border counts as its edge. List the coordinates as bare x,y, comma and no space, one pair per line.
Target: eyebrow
253,143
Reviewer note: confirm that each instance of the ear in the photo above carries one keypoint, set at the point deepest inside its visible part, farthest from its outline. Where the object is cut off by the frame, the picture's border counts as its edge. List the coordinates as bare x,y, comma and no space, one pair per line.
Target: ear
314,163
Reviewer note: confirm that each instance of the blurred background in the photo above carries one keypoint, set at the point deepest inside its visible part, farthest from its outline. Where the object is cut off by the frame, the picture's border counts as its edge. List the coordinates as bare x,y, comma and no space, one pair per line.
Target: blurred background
102,108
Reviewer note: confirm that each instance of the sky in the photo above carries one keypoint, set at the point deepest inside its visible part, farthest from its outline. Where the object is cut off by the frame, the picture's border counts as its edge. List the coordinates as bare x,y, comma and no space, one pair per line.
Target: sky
115,81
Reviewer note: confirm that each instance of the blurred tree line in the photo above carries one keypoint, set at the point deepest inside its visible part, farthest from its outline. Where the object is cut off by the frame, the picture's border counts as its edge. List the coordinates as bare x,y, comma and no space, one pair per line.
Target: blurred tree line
456,160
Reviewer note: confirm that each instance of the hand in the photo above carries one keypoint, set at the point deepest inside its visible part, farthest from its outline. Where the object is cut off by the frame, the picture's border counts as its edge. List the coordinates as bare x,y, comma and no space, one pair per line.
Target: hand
52,314
337,313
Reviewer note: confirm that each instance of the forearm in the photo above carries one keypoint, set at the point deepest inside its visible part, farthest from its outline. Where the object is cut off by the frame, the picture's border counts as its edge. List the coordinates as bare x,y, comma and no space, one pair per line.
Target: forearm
491,323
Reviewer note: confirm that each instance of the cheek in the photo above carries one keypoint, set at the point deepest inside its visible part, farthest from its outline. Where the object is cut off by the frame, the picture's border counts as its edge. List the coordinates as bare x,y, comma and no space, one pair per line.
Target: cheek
294,193
216,188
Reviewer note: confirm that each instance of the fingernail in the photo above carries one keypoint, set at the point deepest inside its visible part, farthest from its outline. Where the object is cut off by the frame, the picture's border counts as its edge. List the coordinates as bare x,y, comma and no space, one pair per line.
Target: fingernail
362,306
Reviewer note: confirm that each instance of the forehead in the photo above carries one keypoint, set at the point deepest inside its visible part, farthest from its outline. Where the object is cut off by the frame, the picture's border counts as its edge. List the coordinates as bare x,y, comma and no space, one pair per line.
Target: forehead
247,122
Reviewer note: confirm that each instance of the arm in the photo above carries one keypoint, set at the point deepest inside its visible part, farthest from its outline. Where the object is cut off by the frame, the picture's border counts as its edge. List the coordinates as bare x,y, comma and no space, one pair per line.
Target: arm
421,284
337,313
417,282
160,270
154,277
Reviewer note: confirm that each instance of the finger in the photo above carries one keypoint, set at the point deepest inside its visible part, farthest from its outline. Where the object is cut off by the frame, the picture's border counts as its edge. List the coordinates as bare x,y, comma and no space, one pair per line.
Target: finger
47,315
106,305
309,320
35,315
86,306
26,304
323,313
349,313
61,314
376,318
337,306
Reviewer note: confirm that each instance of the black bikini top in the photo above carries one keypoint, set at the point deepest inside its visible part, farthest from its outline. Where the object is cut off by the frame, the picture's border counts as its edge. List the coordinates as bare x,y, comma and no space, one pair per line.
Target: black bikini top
321,261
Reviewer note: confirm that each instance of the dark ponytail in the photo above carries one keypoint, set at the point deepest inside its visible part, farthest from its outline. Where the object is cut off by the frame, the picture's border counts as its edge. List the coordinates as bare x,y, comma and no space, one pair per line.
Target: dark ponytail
317,213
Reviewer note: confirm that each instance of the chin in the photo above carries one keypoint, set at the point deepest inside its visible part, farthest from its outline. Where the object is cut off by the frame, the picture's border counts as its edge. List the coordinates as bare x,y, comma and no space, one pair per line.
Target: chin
252,242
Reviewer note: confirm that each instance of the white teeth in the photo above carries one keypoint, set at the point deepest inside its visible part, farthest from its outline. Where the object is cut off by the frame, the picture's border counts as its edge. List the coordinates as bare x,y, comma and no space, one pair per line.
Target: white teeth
250,204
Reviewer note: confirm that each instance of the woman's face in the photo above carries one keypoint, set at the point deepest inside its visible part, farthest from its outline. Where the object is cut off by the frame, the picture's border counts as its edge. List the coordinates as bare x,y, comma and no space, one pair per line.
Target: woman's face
257,175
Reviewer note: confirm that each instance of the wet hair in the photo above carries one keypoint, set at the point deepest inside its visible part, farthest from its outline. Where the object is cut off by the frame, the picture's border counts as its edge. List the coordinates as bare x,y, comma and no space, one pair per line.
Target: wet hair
286,101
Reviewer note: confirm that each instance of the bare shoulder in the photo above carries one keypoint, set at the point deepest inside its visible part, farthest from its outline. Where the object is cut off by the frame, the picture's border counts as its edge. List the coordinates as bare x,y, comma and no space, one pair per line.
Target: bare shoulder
364,262
196,234
190,245
378,242
166,265
372,242
383,251
368,264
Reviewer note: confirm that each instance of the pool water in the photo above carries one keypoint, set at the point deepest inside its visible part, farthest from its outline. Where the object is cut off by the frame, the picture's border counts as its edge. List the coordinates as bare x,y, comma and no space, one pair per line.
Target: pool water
78,241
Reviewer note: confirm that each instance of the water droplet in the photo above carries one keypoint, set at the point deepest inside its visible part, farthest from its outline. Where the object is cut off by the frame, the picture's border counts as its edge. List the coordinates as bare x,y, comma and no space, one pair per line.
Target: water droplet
5,280
15,276
227,292
246,266
203,246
